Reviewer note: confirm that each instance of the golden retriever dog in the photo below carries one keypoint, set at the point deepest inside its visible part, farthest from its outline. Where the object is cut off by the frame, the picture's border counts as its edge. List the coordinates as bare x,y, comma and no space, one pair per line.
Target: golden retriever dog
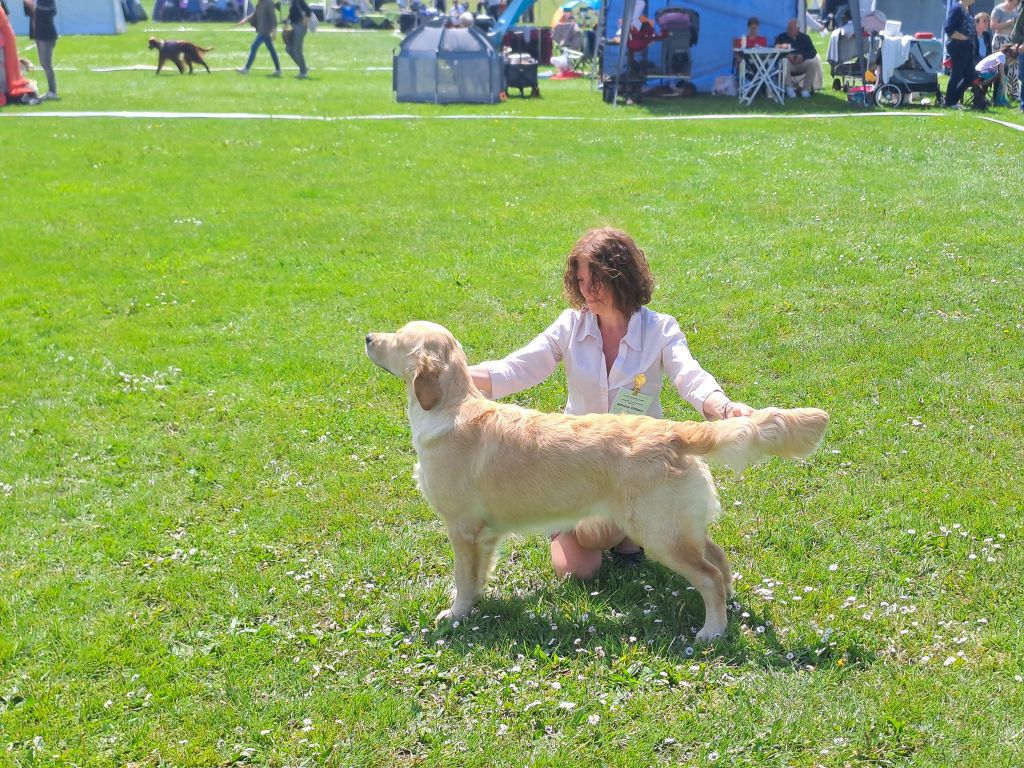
489,469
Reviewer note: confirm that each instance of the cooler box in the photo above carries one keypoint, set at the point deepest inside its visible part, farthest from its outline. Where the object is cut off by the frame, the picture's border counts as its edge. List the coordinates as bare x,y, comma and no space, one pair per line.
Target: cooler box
521,76
861,95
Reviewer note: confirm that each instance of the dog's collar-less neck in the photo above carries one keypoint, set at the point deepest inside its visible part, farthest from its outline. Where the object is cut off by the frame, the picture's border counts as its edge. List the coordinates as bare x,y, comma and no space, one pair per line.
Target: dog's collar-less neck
429,426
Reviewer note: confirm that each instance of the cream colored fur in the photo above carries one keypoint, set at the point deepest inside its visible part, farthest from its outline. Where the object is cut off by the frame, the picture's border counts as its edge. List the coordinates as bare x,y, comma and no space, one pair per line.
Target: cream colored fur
490,468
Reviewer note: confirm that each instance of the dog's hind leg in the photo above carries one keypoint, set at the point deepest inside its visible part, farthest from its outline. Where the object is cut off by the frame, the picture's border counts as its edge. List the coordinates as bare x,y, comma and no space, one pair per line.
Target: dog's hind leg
716,555
466,540
688,557
181,68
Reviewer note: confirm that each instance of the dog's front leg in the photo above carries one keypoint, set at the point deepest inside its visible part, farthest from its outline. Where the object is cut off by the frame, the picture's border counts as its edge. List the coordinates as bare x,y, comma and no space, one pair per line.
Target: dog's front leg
466,539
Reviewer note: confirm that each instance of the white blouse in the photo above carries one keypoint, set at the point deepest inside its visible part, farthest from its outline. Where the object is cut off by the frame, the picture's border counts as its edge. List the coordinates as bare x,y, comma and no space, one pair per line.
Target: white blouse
653,345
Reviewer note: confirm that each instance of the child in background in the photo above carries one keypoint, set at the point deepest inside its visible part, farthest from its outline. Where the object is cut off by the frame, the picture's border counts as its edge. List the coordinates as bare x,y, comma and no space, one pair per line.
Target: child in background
993,67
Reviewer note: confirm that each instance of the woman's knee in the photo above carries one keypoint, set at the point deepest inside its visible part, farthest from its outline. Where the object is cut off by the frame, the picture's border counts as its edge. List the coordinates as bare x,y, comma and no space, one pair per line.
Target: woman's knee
571,560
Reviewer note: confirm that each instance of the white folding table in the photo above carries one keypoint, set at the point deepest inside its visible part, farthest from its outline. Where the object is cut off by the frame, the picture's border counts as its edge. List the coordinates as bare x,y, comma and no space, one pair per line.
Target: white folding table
763,68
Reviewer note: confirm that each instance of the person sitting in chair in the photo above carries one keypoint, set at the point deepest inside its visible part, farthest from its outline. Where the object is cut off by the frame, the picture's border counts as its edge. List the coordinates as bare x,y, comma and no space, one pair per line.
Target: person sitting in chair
990,71
983,33
753,39
803,61
641,37
567,33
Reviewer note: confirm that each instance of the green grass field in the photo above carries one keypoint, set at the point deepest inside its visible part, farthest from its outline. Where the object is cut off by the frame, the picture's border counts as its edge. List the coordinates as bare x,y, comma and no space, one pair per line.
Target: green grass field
212,551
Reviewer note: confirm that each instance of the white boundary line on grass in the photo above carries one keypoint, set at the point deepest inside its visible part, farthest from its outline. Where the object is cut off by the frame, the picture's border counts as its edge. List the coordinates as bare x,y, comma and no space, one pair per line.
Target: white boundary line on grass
1015,126
551,118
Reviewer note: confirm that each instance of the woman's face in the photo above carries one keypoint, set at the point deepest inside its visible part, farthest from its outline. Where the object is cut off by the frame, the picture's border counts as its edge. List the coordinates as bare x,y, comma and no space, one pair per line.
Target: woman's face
596,295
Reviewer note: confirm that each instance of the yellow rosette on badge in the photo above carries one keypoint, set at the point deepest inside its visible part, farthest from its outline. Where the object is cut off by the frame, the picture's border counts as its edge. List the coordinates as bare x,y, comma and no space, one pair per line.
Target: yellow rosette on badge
630,401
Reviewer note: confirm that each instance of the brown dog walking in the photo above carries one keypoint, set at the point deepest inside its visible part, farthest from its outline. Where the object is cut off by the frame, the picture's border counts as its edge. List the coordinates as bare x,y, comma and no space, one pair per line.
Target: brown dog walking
180,52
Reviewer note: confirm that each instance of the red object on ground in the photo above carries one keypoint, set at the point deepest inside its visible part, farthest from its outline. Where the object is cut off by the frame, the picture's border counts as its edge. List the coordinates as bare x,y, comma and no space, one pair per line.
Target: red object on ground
565,75
924,36
17,86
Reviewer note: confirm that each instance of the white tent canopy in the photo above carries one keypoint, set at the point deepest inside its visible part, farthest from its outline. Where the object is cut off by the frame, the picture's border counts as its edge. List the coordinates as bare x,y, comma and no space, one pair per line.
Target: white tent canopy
77,17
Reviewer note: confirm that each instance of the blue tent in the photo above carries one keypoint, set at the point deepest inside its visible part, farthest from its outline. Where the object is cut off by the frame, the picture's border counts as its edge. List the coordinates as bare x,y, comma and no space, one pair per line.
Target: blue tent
721,22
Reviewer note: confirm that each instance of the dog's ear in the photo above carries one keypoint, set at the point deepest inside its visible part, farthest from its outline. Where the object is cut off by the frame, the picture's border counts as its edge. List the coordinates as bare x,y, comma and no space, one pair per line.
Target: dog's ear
426,384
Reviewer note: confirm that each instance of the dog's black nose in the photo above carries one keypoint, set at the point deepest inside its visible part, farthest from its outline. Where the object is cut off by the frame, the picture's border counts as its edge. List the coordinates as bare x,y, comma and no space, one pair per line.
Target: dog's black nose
368,338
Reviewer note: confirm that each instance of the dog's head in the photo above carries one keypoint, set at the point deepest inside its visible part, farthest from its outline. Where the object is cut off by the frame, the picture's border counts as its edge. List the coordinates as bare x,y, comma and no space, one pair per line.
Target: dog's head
156,42
426,356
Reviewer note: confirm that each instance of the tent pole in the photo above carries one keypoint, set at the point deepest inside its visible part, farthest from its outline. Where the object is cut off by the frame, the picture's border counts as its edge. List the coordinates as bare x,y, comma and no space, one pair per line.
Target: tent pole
627,26
859,35
596,67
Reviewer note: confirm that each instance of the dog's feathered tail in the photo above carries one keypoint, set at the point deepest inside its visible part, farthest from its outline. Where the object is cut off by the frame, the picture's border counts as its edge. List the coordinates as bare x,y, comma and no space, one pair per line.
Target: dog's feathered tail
739,442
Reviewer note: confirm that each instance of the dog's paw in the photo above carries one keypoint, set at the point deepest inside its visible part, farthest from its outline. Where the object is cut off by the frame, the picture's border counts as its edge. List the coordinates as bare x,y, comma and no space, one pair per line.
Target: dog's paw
707,635
451,614
446,615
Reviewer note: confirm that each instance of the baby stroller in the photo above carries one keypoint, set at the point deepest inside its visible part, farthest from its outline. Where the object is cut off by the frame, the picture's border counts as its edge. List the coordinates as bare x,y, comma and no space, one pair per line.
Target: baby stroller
906,67
843,61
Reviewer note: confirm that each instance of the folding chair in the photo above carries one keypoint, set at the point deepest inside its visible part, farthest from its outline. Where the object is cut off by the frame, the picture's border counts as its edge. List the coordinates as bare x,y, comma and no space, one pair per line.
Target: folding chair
977,94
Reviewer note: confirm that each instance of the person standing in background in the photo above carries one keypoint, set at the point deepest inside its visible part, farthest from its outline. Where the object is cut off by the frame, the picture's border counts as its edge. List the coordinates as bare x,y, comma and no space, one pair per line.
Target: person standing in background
298,15
43,30
1003,17
264,18
961,45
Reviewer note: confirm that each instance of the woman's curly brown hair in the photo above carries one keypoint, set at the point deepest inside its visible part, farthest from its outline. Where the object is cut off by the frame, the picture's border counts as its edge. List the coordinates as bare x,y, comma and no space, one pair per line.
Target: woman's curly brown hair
616,264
